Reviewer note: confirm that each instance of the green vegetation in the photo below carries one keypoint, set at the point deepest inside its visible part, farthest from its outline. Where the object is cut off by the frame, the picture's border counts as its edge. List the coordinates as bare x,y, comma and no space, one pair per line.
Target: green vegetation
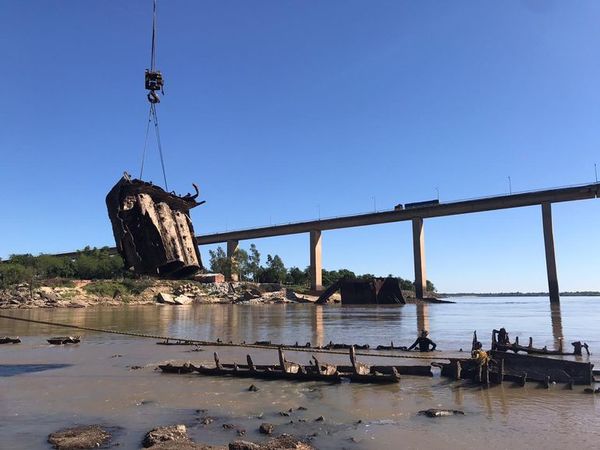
88,264
248,268
101,264
122,289
106,288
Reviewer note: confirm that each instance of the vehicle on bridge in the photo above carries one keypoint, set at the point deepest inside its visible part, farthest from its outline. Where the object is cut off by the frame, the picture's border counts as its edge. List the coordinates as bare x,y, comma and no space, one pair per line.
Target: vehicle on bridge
423,204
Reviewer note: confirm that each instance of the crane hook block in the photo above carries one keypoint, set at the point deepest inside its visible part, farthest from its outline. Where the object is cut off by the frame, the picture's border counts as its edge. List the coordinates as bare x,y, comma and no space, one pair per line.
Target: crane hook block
153,98
154,81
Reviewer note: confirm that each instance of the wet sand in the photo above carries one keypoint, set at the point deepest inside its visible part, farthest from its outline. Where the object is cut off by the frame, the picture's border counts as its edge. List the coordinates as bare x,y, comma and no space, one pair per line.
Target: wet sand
44,388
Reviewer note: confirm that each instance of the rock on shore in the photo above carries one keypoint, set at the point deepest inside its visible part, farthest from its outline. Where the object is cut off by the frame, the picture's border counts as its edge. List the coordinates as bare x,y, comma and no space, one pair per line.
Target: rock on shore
173,438
83,293
80,437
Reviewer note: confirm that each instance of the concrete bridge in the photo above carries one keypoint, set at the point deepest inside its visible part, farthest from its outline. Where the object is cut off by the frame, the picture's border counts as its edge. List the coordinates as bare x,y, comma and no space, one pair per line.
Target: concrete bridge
543,198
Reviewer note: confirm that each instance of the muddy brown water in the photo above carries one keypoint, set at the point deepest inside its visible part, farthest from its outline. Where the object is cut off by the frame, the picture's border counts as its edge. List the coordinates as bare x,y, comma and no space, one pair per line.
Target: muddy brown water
44,388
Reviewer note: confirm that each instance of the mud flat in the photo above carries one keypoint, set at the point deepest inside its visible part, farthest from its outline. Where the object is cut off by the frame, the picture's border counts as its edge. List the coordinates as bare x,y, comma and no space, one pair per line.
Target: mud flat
111,380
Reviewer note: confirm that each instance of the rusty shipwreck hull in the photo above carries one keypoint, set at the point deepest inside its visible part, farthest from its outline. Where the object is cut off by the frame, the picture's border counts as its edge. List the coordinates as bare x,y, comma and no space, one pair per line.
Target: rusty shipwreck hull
153,230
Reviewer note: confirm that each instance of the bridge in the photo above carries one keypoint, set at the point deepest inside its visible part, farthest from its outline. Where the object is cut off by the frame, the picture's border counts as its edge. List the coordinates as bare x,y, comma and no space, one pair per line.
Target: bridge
542,198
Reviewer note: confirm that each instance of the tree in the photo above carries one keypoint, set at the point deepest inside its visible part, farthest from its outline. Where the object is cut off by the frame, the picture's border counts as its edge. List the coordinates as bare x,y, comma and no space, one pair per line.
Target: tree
11,273
240,264
278,268
429,286
49,266
254,262
219,263
274,272
297,277
333,276
406,285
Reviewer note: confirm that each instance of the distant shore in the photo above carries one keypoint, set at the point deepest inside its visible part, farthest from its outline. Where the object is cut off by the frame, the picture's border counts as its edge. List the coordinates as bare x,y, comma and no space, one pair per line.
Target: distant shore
73,293
519,294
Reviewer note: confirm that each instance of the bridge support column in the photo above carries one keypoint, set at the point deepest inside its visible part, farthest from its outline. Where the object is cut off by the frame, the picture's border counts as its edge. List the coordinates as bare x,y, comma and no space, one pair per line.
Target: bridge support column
232,247
419,256
316,266
550,256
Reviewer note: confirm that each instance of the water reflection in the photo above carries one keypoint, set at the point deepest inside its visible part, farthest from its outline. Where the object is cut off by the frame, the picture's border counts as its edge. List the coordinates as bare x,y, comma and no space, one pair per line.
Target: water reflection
422,317
557,329
318,326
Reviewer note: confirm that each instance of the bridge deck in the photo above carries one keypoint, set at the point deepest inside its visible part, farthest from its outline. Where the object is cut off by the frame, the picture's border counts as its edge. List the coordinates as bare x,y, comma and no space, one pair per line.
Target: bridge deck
582,192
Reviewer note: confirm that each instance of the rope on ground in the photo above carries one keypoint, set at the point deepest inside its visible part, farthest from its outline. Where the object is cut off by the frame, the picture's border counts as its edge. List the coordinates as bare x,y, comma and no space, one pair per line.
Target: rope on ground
220,344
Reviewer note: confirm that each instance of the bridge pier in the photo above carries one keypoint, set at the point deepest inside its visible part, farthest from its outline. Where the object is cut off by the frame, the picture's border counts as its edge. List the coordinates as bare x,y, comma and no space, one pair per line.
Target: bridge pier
316,266
550,256
232,246
419,257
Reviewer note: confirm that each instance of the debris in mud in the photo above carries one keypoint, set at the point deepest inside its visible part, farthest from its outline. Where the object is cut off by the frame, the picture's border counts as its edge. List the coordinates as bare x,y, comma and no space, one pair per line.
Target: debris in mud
206,420
266,428
433,412
80,437
285,441
152,228
592,391
173,438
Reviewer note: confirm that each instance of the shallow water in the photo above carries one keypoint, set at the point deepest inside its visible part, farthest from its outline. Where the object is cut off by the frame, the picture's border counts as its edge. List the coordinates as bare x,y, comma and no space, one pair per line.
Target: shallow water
44,387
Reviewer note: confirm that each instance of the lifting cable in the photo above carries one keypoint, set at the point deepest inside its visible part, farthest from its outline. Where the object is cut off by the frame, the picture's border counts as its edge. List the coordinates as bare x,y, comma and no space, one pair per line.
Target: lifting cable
223,344
154,82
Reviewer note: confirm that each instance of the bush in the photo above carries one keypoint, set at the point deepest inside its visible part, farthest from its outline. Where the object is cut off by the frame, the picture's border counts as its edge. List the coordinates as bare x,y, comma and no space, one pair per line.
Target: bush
137,286
107,288
12,273
59,282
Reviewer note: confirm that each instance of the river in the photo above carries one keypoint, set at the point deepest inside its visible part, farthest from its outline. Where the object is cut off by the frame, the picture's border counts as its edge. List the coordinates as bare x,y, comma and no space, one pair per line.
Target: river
44,388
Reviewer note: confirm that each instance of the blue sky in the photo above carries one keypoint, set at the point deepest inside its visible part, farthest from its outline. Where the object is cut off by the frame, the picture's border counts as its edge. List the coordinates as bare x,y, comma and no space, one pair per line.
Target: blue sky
279,109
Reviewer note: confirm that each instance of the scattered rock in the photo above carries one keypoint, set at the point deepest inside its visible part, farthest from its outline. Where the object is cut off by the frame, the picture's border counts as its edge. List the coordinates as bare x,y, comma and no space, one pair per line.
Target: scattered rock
302,408
228,426
182,300
163,297
206,420
80,437
173,438
433,412
135,367
320,419
244,445
177,433
285,441
253,388
117,356
266,428
284,414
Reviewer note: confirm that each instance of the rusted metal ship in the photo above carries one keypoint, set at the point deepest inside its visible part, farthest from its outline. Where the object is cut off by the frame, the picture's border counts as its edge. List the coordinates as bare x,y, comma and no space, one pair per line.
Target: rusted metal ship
153,230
